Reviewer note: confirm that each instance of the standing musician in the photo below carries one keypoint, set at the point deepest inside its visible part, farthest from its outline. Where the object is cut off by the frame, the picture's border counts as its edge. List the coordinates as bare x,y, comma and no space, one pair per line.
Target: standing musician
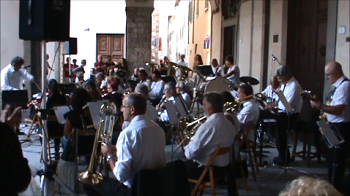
217,131
156,91
233,72
12,77
135,149
291,90
338,116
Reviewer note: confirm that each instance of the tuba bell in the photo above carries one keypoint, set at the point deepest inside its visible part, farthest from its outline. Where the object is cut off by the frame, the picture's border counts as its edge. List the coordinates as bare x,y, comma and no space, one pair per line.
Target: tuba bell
108,113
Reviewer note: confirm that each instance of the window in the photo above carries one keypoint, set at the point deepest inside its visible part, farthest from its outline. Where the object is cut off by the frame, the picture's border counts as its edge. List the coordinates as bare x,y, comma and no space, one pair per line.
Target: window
206,5
230,8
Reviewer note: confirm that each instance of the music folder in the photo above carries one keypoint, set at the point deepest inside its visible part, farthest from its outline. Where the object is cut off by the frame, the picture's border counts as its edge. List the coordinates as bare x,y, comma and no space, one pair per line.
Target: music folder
60,111
332,137
171,109
284,101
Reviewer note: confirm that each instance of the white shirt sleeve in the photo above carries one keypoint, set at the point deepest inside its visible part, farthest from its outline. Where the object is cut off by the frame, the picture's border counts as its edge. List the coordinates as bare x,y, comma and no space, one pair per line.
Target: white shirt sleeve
157,89
26,76
199,142
123,167
246,115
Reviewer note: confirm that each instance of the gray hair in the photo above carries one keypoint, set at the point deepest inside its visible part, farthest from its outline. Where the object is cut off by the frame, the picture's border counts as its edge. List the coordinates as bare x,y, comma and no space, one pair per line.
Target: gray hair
171,86
182,84
215,100
284,71
100,74
17,60
142,89
138,101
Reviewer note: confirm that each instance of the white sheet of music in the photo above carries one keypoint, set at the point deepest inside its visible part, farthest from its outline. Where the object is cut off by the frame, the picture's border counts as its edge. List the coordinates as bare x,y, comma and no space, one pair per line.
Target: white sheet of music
284,101
94,108
331,136
60,111
172,112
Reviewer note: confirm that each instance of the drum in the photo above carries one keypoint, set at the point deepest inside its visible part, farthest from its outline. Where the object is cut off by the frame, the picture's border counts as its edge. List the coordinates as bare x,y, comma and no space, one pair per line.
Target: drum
218,84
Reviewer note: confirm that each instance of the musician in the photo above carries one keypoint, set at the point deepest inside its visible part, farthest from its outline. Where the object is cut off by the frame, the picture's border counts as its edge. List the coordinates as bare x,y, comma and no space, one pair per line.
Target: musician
338,116
233,72
291,90
217,131
169,92
114,95
143,77
182,61
135,76
270,90
100,80
197,61
180,89
215,67
92,89
156,91
136,149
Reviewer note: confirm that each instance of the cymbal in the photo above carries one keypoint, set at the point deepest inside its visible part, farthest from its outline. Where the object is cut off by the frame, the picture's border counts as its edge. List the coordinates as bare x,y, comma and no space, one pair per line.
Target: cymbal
249,80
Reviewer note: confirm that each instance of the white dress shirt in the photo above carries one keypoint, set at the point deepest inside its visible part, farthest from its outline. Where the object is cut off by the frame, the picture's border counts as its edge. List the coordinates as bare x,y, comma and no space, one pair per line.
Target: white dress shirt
236,125
268,92
140,146
12,79
340,97
186,98
291,91
249,114
182,63
147,82
156,89
234,77
216,69
217,131
164,116
151,113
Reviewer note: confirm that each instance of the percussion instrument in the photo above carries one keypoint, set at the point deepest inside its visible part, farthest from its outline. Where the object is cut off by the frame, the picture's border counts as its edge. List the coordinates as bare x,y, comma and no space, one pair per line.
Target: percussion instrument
249,80
218,84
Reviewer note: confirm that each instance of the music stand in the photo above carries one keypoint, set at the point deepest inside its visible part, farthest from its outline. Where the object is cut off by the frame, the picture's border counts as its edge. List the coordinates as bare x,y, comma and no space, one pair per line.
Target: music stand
94,108
204,70
66,88
60,112
181,106
15,98
174,120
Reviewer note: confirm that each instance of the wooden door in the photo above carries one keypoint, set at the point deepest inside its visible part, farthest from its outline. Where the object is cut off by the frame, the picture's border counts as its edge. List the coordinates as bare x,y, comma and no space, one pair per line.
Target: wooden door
110,44
307,37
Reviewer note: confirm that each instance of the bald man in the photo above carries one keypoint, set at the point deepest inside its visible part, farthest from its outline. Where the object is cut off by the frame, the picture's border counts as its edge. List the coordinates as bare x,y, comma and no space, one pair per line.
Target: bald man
338,116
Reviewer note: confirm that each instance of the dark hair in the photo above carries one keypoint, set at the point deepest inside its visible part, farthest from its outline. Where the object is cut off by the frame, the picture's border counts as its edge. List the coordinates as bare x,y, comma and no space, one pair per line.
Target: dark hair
53,86
284,71
142,71
182,84
142,89
199,59
215,100
227,96
80,97
246,89
138,101
100,74
157,73
114,86
229,59
91,87
17,60
171,86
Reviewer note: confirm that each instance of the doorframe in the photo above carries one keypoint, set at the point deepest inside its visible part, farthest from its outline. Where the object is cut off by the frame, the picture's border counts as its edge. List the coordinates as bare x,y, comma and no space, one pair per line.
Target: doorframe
124,45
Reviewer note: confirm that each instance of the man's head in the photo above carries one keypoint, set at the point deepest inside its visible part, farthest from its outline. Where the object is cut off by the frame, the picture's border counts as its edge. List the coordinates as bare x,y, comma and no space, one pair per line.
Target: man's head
142,74
333,71
182,57
212,103
169,89
100,58
283,74
17,62
83,62
214,62
180,86
229,61
67,60
142,89
133,104
274,82
109,58
166,59
156,75
75,61
100,77
244,90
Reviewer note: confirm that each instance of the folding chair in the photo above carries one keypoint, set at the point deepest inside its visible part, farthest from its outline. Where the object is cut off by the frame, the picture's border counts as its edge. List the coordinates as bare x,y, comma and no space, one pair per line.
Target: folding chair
200,183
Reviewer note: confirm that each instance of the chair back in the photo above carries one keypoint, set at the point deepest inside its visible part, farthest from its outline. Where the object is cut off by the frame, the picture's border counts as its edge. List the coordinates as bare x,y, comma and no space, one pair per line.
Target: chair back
218,151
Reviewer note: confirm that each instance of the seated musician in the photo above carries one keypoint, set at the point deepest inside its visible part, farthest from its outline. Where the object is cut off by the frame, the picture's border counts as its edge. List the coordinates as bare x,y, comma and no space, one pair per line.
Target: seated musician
217,131
136,149
180,89
79,118
92,89
249,113
169,92
113,95
338,116
156,90
215,67
291,90
270,90
135,76
100,81
55,98
143,78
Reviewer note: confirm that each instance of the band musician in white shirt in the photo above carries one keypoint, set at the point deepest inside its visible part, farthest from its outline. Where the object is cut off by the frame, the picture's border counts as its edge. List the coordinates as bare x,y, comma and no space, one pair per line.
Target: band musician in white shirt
291,90
182,61
180,89
217,131
233,72
270,90
136,149
157,87
215,67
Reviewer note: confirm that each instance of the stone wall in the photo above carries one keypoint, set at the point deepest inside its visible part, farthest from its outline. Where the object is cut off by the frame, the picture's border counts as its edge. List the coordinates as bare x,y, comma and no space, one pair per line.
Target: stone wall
138,36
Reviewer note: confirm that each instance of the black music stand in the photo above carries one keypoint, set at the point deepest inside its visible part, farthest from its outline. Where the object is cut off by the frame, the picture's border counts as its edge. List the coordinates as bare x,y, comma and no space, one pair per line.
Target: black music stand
15,98
167,79
66,88
204,70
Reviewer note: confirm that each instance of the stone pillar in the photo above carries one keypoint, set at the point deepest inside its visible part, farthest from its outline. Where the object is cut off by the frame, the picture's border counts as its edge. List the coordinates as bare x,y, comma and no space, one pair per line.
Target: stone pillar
138,36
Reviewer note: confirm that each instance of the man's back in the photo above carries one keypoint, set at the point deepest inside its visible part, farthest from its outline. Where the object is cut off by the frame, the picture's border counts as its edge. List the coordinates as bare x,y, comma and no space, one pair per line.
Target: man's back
140,146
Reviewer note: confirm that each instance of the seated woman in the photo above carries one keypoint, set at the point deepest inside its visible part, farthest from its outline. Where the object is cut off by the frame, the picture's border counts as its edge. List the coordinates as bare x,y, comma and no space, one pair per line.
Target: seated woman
93,91
79,119
55,98
113,95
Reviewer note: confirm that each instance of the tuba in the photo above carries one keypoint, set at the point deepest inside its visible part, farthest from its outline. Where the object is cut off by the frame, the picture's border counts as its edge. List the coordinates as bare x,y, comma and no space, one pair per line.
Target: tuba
108,113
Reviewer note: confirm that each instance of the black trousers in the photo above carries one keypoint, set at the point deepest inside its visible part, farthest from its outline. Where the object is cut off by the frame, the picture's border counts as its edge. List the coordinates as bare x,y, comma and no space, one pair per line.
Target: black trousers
109,187
284,123
339,155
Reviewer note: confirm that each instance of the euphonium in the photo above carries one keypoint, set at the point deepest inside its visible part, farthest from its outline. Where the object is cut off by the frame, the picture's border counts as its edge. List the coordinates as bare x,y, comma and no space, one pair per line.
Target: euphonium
108,113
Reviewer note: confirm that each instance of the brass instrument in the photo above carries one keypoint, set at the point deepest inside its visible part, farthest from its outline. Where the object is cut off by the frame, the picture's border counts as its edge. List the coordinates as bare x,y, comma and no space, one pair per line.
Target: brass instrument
108,113
185,71
190,129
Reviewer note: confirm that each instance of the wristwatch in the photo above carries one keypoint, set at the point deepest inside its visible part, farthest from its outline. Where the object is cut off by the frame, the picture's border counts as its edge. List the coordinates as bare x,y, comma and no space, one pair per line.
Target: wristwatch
109,157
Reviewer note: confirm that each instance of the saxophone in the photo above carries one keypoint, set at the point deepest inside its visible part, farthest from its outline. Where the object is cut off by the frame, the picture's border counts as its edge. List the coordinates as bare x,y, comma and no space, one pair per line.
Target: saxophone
108,113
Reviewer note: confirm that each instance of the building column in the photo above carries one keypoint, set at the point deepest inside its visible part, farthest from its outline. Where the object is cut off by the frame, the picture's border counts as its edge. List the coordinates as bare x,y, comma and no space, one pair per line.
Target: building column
138,36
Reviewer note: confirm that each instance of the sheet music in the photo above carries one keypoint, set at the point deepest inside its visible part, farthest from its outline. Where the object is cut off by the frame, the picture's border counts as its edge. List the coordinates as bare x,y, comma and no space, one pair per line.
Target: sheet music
181,107
284,101
332,138
172,112
94,108
60,111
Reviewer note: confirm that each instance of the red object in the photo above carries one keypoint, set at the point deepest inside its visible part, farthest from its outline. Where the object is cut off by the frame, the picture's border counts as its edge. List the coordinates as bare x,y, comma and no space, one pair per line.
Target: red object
100,64
66,70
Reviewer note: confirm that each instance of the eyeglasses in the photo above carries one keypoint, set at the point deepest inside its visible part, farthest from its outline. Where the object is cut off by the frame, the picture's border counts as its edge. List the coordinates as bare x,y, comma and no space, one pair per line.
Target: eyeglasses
125,106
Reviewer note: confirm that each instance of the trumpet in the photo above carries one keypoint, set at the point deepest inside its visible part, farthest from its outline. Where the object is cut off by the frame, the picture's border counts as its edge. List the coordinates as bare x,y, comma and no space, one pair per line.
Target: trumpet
108,113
